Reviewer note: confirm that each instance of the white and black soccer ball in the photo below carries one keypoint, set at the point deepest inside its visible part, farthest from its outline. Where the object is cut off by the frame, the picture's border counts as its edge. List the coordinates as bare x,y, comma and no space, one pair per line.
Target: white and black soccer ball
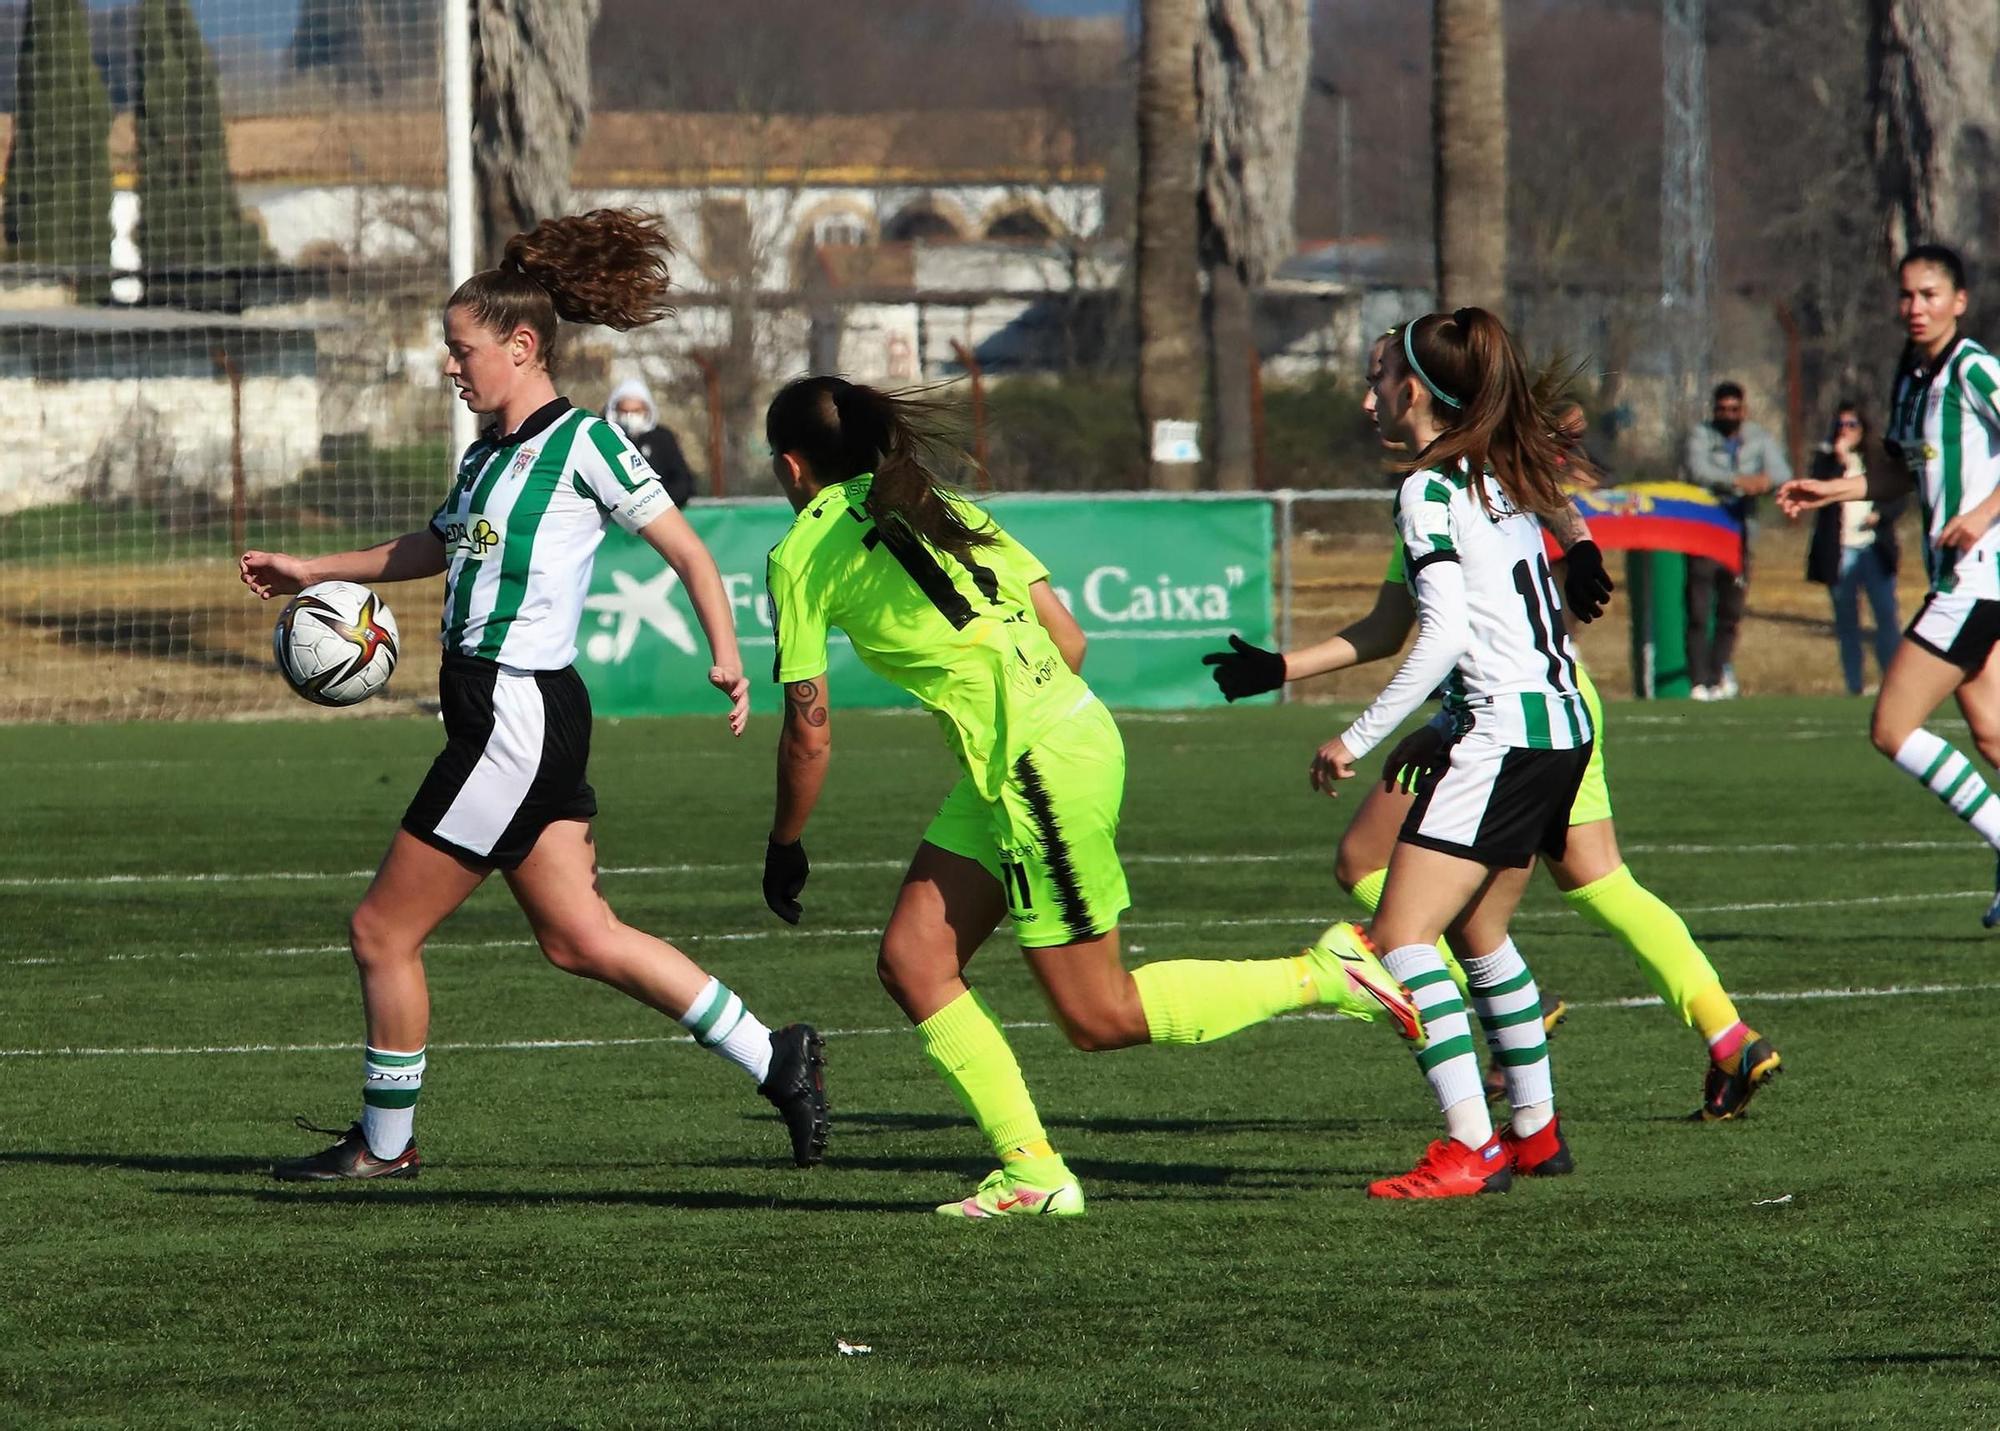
336,643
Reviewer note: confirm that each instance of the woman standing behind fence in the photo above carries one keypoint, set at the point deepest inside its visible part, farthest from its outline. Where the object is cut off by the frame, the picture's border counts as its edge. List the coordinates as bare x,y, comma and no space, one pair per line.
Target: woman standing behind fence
938,600
1853,549
516,539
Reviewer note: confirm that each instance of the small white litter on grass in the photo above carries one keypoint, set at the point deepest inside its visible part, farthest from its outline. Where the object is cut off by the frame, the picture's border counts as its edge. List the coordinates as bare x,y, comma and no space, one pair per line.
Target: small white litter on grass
1772,1201
848,1348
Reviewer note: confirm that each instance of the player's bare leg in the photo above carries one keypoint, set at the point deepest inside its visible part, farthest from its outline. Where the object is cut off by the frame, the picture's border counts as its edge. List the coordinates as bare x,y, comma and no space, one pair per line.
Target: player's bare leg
415,890
557,888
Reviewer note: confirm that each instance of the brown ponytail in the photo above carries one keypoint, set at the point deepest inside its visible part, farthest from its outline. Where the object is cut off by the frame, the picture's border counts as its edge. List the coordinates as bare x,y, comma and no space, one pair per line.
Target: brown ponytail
607,267
906,439
1494,415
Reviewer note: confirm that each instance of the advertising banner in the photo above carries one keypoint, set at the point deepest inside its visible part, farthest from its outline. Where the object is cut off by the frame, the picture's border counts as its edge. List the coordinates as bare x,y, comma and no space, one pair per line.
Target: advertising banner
1154,583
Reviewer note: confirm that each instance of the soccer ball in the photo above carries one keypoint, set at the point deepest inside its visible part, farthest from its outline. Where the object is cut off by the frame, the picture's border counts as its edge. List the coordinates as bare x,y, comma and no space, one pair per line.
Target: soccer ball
336,643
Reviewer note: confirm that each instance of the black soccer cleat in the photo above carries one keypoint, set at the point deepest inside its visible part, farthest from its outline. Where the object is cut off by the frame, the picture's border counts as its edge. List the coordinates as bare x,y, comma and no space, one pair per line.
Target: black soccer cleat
348,1158
796,1086
1728,1091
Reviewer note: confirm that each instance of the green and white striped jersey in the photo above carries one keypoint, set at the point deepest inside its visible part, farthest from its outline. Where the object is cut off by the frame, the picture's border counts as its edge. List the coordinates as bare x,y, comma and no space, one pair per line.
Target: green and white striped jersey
521,528
1944,423
1494,635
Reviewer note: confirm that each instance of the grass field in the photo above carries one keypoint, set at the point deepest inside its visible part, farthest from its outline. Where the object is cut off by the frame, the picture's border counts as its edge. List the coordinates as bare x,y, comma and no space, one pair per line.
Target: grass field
605,1234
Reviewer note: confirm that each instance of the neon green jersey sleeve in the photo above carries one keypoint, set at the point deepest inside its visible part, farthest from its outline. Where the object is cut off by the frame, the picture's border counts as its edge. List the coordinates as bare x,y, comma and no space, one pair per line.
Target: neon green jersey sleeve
798,622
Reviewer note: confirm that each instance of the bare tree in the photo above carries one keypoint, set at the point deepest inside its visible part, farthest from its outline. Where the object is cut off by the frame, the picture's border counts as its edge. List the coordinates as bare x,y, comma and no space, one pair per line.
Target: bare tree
1250,72
1935,102
1469,139
1166,277
531,104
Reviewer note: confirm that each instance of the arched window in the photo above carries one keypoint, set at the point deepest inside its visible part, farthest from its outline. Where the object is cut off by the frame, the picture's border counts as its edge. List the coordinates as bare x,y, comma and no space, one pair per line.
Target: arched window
921,221
1021,224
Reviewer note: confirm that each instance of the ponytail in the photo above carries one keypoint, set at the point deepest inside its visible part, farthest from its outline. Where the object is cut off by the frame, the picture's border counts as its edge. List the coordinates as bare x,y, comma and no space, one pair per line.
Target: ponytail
1493,413
907,440
606,267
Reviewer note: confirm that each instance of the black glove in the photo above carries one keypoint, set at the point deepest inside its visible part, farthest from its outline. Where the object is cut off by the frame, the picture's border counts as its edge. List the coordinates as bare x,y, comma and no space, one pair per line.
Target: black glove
1586,584
1419,754
1246,670
785,870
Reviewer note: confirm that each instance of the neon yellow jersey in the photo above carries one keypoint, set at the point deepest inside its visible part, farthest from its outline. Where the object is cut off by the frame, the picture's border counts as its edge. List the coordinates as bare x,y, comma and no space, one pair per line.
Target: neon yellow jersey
960,636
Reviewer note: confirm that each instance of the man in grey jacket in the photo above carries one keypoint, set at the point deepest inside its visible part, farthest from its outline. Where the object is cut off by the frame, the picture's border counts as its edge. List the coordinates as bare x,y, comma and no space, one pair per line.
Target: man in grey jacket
1739,461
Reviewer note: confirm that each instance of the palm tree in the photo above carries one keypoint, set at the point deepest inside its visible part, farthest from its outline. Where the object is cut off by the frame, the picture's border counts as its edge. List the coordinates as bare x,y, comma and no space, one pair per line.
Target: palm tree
1168,284
530,106
1469,145
1936,117
1250,72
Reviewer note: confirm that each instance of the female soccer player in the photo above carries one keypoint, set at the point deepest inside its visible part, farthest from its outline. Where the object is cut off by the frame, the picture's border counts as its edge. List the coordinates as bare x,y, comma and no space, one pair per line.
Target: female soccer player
1591,873
1487,462
515,539
937,599
1944,431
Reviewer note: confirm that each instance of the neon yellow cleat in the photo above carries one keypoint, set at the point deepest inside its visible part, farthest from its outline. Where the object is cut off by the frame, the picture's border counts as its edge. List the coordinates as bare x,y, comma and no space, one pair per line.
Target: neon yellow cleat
1351,979
999,1195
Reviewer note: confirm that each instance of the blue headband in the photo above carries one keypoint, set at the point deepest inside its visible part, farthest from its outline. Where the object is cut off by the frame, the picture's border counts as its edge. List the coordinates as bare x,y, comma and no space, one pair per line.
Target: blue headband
1410,353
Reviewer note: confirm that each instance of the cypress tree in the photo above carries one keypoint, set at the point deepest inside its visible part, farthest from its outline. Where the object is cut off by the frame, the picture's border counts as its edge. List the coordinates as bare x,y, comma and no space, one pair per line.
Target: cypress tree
58,198
189,216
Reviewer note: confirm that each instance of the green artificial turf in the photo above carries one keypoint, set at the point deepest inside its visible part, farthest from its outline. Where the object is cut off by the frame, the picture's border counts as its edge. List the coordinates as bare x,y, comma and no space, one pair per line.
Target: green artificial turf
606,1232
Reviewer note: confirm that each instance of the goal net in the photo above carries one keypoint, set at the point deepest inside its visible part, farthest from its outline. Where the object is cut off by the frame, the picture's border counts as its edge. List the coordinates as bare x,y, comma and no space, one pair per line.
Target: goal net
223,250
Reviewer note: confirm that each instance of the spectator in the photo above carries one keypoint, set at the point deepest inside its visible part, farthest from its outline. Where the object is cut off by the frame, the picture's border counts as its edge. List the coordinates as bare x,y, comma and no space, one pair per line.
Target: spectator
1738,461
631,407
1853,549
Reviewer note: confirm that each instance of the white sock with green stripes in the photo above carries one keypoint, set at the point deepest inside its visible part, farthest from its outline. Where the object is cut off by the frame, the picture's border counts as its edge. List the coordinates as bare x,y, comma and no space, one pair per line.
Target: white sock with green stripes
1446,1056
1951,778
722,1024
1510,1010
390,1083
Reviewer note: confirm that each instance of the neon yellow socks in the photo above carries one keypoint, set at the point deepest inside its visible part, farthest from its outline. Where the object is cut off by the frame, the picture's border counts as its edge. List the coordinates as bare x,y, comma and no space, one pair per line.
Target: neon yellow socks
1367,893
964,1041
1201,1000
1659,940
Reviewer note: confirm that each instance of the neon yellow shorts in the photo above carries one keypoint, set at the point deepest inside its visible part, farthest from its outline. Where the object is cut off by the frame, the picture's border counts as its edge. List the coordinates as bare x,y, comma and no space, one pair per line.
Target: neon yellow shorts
1593,796
1052,838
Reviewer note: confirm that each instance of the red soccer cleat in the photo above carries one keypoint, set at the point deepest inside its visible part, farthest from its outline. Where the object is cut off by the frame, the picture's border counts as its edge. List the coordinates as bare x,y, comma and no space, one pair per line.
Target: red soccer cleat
1450,1169
1542,1154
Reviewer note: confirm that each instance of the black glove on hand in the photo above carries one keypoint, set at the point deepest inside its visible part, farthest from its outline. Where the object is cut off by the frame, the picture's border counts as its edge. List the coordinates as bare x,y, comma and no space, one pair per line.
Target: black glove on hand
1586,585
1246,670
785,871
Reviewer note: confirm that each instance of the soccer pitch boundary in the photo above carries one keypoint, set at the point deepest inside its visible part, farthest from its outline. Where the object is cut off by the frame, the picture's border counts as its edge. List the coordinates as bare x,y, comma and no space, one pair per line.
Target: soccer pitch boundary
1782,996
1782,847
1755,906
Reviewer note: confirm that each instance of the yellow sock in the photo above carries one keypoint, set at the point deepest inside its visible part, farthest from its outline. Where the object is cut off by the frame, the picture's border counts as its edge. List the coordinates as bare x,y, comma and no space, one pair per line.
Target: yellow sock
1367,893
965,1043
1659,940
1201,1000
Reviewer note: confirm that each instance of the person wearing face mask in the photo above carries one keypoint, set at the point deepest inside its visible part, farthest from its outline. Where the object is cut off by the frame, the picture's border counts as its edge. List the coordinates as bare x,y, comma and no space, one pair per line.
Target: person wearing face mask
631,409
1739,461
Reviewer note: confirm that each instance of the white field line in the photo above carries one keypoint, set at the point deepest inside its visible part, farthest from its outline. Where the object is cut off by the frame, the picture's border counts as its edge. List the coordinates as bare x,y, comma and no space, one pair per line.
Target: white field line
1298,921
1303,857
1892,991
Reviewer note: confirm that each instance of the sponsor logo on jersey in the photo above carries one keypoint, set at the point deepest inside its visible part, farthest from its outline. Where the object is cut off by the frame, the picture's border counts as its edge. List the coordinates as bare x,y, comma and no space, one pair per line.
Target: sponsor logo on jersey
636,462
476,540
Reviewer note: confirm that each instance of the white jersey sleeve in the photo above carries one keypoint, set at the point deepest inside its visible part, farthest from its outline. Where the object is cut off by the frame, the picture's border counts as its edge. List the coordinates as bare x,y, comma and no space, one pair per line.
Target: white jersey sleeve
1426,527
611,472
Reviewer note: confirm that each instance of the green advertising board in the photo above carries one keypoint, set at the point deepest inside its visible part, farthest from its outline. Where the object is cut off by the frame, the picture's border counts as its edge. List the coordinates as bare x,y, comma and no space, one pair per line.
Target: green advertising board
1154,583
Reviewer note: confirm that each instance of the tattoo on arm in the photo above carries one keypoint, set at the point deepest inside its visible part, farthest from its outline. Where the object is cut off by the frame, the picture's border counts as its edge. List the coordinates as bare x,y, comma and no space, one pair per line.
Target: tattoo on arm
1565,526
806,703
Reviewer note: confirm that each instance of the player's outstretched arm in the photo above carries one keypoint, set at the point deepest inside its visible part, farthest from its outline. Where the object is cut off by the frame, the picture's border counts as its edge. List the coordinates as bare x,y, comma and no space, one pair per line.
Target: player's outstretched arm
1060,624
670,535
410,557
1248,670
804,747
1804,494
